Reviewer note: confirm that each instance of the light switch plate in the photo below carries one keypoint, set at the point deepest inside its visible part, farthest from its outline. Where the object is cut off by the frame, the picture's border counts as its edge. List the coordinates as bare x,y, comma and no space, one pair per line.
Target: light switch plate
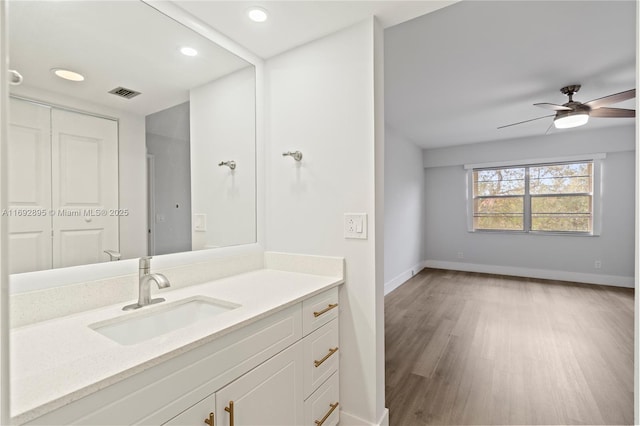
355,225
200,222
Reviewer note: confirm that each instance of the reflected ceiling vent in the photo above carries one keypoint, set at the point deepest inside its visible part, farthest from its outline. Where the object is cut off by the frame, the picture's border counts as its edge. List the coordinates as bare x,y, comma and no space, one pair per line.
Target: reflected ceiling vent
124,93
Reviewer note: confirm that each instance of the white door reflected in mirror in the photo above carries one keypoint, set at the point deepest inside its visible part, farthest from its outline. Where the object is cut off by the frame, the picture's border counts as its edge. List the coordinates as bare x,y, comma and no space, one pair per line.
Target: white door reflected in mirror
63,203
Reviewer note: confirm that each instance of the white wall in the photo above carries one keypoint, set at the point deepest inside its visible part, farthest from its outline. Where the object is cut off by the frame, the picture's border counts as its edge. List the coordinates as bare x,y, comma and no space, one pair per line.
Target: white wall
542,256
223,115
131,166
320,100
404,210
167,139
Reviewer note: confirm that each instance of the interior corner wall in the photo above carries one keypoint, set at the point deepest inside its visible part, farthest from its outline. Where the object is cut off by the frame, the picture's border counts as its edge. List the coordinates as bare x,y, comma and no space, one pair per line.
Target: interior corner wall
404,210
167,140
320,100
571,258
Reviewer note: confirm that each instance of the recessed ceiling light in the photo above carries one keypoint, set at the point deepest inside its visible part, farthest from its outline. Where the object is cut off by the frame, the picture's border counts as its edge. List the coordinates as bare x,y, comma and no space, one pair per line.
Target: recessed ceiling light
188,51
257,14
67,74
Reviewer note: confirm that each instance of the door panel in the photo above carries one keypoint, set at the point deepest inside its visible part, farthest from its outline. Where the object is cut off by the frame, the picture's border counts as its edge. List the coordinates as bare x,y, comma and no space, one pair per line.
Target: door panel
268,395
29,173
80,246
80,171
85,188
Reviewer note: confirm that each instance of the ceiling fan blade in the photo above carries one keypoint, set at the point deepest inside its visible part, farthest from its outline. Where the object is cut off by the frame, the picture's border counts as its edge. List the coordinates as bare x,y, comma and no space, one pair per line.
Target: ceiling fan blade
526,121
551,126
612,112
611,99
553,107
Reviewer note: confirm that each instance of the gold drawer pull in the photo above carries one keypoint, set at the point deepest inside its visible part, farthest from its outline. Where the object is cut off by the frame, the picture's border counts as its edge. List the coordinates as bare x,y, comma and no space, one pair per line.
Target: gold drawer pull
229,410
326,357
326,416
210,420
325,310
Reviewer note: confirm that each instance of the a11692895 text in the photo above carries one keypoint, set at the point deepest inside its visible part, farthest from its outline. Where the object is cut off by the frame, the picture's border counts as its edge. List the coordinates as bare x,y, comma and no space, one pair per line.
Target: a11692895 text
40,212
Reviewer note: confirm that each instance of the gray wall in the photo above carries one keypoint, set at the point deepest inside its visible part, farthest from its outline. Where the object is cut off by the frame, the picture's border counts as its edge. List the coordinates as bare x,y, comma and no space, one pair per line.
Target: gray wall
168,140
404,209
543,256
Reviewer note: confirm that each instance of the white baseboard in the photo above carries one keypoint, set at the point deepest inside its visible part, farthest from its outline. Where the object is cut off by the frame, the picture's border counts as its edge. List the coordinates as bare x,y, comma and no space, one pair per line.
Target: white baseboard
347,419
384,420
402,278
547,274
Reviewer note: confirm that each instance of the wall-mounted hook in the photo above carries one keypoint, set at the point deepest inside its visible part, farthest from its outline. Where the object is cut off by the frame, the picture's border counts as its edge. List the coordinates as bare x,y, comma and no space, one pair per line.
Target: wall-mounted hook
297,155
231,164
15,78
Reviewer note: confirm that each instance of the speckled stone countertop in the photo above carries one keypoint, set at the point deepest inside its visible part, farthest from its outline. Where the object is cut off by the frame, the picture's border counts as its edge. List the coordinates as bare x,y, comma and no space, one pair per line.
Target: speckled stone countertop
58,361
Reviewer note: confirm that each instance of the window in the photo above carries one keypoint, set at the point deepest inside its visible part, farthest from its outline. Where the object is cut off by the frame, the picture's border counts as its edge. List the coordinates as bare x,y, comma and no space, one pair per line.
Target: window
554,197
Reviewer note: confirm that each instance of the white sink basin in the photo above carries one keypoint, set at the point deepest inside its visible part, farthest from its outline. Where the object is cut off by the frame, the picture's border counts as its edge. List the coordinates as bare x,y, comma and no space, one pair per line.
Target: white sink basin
153,321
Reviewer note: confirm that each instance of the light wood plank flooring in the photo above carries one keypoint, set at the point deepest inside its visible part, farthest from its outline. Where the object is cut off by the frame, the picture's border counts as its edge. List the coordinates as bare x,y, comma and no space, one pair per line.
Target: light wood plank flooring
465,348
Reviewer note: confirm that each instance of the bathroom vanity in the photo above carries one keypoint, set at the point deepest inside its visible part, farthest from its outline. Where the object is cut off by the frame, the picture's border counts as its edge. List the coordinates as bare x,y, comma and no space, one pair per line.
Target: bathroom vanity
260,347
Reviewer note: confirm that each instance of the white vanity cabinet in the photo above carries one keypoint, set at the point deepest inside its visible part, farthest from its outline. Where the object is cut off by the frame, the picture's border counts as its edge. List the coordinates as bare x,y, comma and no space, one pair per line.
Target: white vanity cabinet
280,369
321,359
267,395
298,386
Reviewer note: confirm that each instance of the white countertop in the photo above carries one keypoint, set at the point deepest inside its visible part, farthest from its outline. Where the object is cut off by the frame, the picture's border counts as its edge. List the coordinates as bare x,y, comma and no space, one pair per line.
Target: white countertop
59,361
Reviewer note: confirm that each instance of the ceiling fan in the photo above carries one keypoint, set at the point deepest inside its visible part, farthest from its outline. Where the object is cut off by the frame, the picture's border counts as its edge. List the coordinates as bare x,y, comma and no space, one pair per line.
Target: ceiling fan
574,113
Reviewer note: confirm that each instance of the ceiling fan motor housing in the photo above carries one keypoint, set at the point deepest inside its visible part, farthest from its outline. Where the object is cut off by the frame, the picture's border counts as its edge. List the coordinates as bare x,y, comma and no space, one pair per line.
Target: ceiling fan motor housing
576,108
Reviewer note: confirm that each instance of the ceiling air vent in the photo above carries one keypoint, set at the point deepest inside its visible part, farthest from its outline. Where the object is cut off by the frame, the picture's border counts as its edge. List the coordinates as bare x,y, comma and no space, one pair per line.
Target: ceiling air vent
124,93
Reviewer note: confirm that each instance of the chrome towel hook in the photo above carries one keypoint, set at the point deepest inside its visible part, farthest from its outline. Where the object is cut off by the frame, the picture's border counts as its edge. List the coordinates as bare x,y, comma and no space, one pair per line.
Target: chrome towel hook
15,78
297,155
231,164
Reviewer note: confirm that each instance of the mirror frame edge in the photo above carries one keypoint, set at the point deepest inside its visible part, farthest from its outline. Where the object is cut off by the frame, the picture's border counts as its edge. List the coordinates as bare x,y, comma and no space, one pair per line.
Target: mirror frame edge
178,14
190,21
64,276
5,414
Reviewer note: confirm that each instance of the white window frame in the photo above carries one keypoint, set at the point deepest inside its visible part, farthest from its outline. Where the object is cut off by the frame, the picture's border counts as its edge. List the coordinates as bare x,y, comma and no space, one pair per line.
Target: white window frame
596,198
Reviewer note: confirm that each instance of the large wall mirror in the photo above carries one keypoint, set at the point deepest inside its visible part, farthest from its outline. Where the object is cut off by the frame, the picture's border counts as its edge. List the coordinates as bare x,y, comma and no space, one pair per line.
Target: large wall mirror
153,152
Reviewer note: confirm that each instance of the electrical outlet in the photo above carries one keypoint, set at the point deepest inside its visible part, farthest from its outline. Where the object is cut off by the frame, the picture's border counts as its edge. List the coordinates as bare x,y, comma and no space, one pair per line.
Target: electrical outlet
355,225
597,264
460,255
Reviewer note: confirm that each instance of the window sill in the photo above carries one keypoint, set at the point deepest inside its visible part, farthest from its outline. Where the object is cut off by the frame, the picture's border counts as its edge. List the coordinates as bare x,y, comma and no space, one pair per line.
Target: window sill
537,233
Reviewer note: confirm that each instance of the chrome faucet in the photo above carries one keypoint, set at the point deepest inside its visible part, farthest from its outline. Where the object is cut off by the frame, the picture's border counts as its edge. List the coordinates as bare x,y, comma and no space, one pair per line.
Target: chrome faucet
144,291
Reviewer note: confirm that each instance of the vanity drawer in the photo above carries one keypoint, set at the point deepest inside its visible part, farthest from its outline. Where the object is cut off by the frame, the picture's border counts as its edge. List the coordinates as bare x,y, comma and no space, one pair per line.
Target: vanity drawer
323,404
319,310
321,357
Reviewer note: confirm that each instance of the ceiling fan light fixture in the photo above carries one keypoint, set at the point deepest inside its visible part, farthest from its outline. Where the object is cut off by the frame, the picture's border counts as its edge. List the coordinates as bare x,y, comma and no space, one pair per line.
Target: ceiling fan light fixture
571,119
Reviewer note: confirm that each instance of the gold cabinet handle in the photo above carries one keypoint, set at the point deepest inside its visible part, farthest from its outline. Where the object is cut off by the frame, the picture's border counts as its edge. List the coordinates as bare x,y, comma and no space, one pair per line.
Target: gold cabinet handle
325,310
229,410
326,416
210,421
326,357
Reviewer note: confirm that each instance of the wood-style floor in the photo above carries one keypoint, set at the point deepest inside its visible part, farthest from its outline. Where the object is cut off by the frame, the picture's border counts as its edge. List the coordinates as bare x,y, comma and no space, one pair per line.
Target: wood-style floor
465,348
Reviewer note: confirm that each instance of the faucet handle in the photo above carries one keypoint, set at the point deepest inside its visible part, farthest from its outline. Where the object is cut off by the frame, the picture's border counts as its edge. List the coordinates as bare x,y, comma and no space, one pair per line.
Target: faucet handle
145,262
